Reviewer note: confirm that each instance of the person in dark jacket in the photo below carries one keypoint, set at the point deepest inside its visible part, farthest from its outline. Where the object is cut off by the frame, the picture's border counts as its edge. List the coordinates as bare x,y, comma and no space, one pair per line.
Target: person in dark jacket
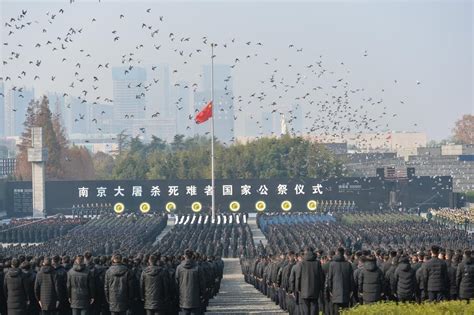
118,287
30,277
403,281
15,288
61,279
80,287
371,281
99,307
154,283
191,284
453,263
46,288
309,282
465,277
435,277
340,281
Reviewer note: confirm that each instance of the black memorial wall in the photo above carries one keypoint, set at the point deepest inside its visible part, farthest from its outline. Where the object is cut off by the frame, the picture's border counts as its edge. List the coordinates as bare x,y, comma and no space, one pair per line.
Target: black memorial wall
368,193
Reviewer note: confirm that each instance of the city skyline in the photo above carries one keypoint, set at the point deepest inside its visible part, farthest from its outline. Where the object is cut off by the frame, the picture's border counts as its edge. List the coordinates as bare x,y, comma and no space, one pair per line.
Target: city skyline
391,75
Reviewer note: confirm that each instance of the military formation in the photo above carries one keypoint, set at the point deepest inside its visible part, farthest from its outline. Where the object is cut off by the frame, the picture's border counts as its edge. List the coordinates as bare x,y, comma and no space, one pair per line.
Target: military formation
148,284
37,231
302,273
228,235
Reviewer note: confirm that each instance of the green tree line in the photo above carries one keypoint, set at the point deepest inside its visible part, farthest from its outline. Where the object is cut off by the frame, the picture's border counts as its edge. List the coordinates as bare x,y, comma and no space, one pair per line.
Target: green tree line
189,158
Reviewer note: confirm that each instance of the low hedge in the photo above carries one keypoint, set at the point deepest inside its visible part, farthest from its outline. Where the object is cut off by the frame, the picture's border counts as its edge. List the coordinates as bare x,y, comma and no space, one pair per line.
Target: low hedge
392,308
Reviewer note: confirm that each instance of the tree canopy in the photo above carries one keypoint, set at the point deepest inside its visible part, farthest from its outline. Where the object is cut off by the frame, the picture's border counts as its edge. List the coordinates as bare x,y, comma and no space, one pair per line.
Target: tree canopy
189,158
63,162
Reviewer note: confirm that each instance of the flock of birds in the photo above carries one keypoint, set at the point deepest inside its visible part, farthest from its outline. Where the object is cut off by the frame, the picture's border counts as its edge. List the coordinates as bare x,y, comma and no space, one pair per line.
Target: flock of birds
319,94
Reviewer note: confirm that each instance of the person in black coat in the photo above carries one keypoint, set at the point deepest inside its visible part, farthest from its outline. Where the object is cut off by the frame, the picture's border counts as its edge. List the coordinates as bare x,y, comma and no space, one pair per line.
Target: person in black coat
154,283
453,262
340,281
309,282
465,277
30,276
118,287
46,288
435,277
191,284
371,281
80,287
15,288
403,281
61,279
99,307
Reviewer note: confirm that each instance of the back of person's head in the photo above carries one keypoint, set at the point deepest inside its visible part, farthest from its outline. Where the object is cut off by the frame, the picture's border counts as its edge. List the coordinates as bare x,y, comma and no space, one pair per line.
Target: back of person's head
152,260
188,253
117,258
46,261
87,255
309,249
340,251
435,249
66,259
56,259
15,263
79,260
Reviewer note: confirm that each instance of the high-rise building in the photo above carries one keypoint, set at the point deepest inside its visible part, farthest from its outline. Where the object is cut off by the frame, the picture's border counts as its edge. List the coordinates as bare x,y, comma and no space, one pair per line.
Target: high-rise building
17,106
223,103
184,113
158,95
56,102
2,109
129,97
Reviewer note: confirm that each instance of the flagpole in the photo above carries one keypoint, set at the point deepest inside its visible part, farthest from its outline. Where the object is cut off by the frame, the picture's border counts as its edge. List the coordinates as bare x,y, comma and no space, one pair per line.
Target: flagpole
213,209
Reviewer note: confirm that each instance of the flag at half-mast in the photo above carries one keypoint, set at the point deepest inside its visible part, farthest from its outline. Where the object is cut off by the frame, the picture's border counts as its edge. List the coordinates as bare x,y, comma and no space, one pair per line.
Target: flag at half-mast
204,114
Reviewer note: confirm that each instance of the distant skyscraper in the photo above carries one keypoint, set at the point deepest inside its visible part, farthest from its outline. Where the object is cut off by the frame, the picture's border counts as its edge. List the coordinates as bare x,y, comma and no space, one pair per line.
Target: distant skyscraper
180,101
223,102
2,109
158,96
56,102
17,105
129,97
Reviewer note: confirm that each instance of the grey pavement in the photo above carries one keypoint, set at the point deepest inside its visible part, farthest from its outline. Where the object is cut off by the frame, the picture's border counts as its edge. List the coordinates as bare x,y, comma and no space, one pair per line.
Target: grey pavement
238,297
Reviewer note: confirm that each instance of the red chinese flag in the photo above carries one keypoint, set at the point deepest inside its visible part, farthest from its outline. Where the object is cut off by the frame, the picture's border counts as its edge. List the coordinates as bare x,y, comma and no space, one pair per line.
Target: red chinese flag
204,114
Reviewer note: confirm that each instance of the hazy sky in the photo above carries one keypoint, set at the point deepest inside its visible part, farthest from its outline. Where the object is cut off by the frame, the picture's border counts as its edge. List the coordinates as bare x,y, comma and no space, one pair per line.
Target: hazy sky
368,44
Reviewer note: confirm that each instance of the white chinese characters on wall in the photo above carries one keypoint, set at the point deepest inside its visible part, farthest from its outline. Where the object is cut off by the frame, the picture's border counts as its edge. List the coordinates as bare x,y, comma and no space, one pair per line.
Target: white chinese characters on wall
192,190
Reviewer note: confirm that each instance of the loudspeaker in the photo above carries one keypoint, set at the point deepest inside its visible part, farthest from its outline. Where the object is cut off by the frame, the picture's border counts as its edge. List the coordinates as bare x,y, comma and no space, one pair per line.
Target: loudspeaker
410,172
380,172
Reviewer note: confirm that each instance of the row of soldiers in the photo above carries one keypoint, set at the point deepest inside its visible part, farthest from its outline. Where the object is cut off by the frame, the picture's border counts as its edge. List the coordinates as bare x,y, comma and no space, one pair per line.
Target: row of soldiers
36,231
309,281
151,285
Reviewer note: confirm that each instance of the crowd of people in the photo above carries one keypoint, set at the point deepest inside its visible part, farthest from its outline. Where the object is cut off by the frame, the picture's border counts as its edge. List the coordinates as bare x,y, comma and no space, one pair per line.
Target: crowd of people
383,256
149,284
228,235
120,271
357,231
37,230
311,280
462,218
103,235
